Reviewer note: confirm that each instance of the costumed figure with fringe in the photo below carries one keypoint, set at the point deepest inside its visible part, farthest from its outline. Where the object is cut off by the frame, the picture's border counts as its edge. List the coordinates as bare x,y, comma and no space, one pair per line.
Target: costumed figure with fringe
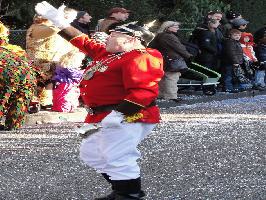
17,83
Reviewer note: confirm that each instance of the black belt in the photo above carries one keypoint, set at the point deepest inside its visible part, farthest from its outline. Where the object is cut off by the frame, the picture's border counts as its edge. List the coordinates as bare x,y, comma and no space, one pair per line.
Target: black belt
103,108
107,108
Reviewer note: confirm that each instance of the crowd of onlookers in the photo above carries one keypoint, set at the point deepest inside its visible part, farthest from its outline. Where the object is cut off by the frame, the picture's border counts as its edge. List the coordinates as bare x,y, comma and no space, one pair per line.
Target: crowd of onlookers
228,49
220,43
223,46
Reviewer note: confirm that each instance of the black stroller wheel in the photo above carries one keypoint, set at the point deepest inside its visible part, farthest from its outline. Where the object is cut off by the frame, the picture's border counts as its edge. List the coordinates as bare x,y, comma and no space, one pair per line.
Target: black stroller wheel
209,90
34,108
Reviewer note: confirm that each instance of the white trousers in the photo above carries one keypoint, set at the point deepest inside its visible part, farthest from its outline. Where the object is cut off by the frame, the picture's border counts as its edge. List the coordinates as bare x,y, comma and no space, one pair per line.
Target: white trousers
114,150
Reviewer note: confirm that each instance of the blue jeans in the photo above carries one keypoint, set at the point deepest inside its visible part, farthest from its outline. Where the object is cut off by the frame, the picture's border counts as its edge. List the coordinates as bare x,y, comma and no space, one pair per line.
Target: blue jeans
260,78
228,77
229,83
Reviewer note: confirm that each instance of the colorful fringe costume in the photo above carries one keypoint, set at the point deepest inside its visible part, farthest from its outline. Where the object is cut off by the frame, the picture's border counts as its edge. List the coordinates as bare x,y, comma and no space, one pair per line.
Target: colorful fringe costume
17,83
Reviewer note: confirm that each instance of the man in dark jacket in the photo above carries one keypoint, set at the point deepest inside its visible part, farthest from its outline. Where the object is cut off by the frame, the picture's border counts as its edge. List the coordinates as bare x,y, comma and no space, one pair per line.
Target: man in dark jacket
261,55
205,38
82,22
217,16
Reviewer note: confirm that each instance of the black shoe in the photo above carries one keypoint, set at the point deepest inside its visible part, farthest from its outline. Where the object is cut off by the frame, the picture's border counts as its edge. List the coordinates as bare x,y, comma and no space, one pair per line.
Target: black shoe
110,196
231,91
177,100
138,196
46,107
245,89
260,88
2,127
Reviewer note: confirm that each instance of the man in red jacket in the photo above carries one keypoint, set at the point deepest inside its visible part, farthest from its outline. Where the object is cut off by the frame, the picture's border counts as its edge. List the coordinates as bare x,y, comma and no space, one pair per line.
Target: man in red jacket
120,88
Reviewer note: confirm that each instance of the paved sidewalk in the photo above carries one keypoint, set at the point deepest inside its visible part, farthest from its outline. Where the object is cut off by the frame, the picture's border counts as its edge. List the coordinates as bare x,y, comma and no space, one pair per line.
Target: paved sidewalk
188,98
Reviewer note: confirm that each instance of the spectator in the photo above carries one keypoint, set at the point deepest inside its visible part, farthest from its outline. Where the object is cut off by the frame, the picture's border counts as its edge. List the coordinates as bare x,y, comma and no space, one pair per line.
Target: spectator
115,16
168,43
227,26
218,15
82,22
205,38
239,24
233,74
66,79
41,47
260,50
259,34
17,83
45,47
250,59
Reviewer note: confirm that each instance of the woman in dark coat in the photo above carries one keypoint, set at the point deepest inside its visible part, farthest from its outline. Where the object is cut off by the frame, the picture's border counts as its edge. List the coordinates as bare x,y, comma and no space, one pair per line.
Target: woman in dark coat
168,43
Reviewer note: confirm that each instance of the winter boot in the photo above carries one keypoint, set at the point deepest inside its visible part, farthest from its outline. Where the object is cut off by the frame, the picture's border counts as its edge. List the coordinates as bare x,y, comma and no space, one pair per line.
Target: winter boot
138,196
128,189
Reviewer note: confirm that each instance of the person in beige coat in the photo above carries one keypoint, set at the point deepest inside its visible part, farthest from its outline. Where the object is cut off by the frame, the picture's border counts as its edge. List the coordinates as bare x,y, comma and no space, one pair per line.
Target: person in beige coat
45,48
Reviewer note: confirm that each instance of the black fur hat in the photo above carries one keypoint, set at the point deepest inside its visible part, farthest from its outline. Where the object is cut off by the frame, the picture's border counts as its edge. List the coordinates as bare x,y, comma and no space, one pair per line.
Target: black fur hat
232,15
80,14
132,29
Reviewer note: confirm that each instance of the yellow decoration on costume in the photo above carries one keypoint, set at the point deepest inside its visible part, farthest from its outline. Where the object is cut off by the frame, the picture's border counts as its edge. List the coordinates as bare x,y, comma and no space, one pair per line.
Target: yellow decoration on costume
4,31
16,49
46,97
133,118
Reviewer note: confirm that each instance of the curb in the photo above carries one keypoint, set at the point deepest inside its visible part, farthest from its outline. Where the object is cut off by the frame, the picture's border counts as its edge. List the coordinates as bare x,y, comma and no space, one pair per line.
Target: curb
44,117
193,97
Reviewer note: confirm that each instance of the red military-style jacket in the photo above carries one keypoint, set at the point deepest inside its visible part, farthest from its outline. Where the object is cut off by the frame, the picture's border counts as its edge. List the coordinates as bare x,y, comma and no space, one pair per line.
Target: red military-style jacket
112,78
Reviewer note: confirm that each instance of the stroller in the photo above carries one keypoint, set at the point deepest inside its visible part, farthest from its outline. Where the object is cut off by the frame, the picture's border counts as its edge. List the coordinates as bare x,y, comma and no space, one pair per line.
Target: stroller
199,76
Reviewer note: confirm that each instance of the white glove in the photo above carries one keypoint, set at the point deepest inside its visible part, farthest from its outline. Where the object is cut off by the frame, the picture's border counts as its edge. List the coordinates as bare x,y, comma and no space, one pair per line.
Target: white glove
56,16
114,119
87,129
70,15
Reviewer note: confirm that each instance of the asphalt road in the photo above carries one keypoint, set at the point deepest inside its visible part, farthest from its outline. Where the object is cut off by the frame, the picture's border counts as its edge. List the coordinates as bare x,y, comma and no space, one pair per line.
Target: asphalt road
205,151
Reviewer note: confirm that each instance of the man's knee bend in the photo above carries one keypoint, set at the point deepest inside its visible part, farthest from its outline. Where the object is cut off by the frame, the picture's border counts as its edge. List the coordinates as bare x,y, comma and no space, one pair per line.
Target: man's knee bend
88,160
90,156
85,153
